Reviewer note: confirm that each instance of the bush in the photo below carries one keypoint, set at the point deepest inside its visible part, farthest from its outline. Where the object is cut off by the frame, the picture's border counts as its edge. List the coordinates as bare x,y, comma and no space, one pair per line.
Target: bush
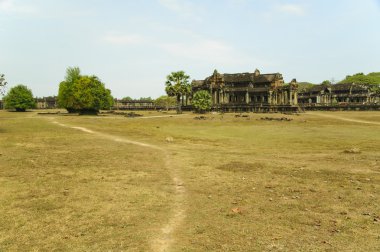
202,101
20,98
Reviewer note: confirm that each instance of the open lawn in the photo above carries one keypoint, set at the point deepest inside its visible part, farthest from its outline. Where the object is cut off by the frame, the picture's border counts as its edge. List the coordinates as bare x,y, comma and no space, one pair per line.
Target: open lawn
163,182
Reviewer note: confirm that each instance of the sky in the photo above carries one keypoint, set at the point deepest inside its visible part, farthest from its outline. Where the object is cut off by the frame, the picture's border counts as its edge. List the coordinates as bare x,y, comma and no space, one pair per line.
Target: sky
133,45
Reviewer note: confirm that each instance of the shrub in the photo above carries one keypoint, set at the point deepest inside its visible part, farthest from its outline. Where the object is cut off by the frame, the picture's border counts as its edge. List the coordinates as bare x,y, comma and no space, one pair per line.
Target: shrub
20,98
202,101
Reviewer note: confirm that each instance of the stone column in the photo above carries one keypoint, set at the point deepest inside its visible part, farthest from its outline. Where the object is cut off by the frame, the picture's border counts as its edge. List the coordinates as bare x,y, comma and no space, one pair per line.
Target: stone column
247,97
270,98
290,96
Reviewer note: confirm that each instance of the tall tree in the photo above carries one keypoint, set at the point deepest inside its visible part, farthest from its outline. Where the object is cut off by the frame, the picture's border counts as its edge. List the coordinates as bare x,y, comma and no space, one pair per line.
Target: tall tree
83,94
3,83
177,84
20,98
65,93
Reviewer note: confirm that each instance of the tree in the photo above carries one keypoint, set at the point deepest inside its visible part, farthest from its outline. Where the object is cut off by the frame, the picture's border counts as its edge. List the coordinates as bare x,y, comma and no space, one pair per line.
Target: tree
65,93
360,78
145,99
3,83
165,102
20,98
127,98
177,85
202,101
326,82
83,94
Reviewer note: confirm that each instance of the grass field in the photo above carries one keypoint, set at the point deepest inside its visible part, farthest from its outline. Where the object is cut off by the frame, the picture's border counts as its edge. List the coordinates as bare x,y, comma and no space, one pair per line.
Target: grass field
111,183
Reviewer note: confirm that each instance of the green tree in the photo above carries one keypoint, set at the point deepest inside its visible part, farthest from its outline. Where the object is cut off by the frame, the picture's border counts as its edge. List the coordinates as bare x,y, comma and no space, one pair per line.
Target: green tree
202,101
177,85
145,99
65,93
165,102
360,78
20,98
127,98
326,82
83,94
3,83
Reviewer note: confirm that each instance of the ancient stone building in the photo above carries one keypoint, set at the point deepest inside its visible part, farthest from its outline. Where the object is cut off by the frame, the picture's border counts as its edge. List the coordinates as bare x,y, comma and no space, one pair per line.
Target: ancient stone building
249,91
49,102
134,104
338,94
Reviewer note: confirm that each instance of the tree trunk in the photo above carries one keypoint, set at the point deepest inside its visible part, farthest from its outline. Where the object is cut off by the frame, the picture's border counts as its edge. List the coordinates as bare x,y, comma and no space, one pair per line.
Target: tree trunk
179,109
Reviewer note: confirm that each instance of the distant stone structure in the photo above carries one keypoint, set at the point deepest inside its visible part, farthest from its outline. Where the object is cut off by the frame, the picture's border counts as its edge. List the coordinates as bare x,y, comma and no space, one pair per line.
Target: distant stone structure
134,105
350,95
249,92
258,92
49,102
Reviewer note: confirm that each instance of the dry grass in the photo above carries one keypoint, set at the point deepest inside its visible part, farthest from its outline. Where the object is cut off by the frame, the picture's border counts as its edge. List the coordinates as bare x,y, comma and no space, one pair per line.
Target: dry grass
64,190
251,185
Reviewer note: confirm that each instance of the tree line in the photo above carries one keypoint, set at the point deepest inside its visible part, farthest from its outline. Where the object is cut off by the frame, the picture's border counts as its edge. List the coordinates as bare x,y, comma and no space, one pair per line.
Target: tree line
87,94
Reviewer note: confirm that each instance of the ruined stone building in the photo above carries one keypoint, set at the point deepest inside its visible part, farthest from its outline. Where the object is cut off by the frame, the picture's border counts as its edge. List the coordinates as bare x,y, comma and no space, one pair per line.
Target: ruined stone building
134,104
249,91
339,94
49,102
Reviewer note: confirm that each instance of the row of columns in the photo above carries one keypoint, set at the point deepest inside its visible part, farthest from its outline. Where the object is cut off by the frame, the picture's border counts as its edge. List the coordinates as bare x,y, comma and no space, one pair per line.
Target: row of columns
273,98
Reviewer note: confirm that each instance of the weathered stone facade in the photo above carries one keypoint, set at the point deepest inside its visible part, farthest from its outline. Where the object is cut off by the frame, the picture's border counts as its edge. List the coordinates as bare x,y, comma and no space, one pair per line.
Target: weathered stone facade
249,91
49,102
339,94
134,105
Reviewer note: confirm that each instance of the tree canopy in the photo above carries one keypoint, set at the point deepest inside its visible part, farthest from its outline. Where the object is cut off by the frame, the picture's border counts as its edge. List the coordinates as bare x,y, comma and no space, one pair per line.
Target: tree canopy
127,98
165,102
20,98
202,101
361,78
83,94
177,85
3,83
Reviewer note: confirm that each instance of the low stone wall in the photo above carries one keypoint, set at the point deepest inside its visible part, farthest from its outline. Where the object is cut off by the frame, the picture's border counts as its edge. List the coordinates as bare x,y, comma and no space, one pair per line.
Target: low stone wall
258,109
348,107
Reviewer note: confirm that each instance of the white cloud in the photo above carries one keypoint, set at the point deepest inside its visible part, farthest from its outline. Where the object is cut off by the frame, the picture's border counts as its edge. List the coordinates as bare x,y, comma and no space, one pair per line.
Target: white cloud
204,50
11,6
183,8
125,39
293,9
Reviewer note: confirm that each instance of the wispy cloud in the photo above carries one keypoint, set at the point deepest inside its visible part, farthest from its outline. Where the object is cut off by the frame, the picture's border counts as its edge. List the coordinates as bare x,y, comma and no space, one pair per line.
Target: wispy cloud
11,6
294,9
194,48
183,8
207,51
124,39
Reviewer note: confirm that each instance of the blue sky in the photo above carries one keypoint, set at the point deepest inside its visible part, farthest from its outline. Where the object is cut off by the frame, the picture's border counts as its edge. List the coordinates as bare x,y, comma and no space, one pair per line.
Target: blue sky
132,45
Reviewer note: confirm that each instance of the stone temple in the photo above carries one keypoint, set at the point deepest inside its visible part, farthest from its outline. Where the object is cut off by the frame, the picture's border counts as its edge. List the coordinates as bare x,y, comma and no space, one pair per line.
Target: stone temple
249,92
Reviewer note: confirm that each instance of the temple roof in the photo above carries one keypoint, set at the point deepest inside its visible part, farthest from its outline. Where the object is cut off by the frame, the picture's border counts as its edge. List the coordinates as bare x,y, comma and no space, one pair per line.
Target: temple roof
197,83
239,77
318,88
250,77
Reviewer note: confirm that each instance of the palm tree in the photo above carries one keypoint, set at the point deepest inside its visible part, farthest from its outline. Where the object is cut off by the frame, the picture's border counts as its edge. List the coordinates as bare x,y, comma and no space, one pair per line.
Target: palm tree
2,83
177,84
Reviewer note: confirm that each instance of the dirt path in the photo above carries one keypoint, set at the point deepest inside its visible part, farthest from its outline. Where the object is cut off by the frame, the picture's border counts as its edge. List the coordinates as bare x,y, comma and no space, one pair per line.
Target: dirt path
343,118
166,237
